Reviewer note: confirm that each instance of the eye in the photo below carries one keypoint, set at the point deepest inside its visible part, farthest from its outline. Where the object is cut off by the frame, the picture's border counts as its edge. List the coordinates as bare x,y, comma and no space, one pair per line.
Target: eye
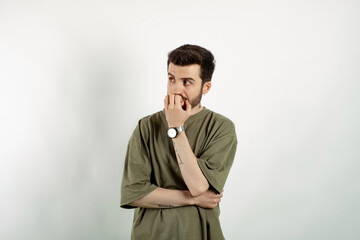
186,83
171,79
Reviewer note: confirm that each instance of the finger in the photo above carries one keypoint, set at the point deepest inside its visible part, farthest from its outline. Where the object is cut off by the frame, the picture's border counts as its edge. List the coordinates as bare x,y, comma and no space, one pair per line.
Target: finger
218,196
166,101
217,200
177,101
171,100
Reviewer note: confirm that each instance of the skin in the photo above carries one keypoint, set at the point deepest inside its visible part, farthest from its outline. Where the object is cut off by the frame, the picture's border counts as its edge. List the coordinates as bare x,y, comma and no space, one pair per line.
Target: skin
169,198
185,86
183,99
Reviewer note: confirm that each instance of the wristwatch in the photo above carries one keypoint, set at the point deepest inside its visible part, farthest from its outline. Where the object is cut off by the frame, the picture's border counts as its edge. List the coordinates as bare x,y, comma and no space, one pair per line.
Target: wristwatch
174,131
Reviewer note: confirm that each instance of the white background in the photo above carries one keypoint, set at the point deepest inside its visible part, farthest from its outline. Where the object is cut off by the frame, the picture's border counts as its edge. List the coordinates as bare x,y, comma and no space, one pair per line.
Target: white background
75,77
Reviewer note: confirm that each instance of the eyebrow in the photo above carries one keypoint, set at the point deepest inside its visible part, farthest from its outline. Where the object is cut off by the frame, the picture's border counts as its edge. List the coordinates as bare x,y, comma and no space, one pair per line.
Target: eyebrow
185,79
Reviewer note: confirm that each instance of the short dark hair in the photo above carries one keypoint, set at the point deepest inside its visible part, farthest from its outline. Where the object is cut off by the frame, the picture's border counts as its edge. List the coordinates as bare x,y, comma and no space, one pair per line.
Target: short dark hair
192,54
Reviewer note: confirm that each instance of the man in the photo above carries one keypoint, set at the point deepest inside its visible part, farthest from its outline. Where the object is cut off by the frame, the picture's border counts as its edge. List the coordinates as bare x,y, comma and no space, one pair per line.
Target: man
178,159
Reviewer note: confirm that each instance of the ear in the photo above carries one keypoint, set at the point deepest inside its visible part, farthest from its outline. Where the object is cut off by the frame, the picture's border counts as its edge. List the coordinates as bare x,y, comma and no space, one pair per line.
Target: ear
206,87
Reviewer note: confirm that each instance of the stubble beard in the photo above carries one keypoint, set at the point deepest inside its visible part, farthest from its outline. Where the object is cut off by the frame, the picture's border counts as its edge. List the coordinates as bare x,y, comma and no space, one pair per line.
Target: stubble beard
194,102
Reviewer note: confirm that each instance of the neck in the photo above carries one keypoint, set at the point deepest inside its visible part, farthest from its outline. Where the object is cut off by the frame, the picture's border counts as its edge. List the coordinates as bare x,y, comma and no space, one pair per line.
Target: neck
196,109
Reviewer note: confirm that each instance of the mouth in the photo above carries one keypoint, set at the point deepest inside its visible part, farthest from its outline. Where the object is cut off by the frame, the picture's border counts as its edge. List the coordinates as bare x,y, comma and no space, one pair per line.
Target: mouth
183,99
182,102
183,106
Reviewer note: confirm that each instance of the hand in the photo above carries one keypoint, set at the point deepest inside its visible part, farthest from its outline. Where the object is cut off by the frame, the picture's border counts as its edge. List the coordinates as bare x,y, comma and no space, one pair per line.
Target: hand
208,199
175,114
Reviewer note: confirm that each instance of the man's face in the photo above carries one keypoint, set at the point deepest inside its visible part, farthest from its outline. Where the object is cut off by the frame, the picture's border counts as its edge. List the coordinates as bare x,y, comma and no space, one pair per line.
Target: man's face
186,82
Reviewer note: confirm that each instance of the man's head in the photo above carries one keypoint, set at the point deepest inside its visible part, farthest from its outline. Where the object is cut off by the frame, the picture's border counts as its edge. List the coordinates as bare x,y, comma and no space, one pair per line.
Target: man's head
193,54
190,69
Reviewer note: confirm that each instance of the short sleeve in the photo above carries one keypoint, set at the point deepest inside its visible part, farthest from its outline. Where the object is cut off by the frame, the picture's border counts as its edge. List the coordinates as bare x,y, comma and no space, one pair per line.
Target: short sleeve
217,158
137,170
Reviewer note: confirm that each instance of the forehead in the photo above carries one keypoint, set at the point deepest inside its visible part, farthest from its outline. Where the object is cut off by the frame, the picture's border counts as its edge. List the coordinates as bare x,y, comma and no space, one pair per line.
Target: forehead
189,71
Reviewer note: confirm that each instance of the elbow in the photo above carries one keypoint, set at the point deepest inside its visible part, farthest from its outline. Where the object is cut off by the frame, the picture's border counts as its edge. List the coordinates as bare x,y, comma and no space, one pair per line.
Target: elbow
199,190
136,203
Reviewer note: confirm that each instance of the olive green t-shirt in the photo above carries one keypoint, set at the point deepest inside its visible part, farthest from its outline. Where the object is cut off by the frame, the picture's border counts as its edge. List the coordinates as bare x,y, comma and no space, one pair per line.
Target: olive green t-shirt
151,162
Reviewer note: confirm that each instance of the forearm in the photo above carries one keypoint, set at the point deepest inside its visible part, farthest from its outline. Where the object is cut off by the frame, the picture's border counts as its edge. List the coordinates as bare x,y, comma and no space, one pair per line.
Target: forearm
189,167
165,198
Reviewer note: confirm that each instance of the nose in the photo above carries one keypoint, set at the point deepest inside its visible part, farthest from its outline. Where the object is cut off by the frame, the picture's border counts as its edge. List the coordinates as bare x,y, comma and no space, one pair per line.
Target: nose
177,88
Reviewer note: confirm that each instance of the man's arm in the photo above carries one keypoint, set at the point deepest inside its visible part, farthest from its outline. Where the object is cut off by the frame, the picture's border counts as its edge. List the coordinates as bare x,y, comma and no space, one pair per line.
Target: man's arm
190,170
169,198
189,167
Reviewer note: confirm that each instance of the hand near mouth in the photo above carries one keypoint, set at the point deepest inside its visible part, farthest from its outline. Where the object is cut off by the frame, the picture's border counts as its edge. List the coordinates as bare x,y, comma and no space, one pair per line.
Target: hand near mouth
175,112
182,101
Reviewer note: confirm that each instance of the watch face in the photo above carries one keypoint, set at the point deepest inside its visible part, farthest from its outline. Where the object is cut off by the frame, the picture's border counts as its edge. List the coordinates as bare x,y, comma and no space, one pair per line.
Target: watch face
171,132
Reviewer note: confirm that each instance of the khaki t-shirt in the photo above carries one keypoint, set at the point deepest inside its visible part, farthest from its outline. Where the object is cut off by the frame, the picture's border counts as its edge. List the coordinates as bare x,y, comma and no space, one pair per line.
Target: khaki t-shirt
151,162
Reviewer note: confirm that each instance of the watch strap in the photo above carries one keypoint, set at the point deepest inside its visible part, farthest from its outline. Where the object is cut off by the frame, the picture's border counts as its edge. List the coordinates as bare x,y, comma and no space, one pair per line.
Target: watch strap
180,129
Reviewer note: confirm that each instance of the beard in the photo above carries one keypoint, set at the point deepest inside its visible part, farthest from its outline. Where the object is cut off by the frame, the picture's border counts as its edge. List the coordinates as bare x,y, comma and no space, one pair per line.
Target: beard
193,102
